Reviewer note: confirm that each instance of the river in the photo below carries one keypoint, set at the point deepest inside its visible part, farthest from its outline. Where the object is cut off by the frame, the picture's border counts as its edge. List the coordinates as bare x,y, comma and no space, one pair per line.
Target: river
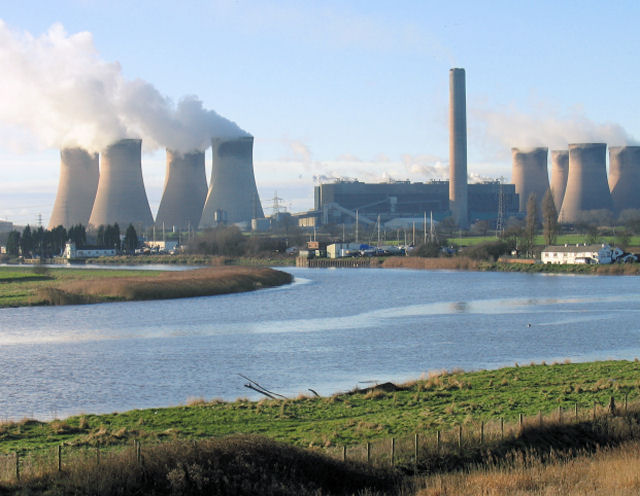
332,330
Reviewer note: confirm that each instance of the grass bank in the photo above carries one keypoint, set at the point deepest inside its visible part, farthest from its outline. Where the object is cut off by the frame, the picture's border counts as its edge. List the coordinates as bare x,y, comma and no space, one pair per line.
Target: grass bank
436,402
21,286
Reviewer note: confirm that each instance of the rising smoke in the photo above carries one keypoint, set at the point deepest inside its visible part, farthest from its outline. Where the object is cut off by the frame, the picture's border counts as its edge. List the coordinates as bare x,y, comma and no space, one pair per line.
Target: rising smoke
508,127
57,88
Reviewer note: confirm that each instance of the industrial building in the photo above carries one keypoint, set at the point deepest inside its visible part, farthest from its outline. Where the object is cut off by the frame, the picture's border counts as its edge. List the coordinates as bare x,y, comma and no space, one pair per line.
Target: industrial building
343,201
624,177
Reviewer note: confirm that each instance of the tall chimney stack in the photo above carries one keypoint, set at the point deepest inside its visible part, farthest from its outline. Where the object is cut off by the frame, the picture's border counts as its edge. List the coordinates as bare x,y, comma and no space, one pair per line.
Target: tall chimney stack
76,189
458,197
121,197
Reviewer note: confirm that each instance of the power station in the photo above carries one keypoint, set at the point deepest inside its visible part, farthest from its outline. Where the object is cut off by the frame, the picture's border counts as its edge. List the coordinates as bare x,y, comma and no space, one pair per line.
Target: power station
76,189
233,195
185,190
112,191
121,197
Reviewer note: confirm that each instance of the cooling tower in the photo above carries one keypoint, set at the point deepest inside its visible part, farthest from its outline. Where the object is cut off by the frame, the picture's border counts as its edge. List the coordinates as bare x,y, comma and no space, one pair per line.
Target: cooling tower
529,174
76,189
559,174
624,177
185,190
458,147
121,196
587,187
233,196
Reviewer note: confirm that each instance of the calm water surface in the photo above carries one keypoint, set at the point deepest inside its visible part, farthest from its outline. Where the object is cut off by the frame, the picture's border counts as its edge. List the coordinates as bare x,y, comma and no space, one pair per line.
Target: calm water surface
330,331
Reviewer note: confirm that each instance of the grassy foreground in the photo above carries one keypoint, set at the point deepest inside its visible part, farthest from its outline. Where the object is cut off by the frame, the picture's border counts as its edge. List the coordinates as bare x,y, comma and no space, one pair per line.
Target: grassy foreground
22,286
439,401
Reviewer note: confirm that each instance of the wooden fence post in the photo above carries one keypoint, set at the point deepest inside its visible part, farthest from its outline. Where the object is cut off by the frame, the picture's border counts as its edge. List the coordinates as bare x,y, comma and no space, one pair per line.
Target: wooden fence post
595,405
576,410
368,452
344,453
393,451
460,437
438,441
521,422
560,414
59,458
502,428
415,448
482,433
17,466
626,402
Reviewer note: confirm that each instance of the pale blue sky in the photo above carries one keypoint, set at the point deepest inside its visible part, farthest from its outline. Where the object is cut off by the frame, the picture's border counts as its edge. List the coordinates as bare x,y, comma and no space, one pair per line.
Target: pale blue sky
358,88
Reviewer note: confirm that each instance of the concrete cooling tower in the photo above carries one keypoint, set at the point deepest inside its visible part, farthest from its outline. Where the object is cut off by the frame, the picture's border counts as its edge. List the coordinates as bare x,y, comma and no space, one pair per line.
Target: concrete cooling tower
76,189
185,190
587,187
624,177
121,196
559,174
458,196
233,195
529,174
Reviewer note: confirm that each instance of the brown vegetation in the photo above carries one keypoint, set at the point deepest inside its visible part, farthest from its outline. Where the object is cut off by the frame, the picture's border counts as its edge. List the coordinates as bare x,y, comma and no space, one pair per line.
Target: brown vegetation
184,284
611,471
444,263
240,465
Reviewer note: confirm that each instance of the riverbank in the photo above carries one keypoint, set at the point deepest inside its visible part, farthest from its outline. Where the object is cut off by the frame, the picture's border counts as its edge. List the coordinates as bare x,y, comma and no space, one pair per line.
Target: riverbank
465,263
440,401
29,286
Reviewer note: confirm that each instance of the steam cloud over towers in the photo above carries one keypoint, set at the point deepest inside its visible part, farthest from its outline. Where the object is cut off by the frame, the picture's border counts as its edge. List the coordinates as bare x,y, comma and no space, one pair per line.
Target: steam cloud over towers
76,189
458,198
233,195
121,196
587,187
624,177
529,173
559,175
185,190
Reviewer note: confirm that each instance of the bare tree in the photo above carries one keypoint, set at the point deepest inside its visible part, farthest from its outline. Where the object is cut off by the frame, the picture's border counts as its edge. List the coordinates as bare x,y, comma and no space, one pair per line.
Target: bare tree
549,219
531,223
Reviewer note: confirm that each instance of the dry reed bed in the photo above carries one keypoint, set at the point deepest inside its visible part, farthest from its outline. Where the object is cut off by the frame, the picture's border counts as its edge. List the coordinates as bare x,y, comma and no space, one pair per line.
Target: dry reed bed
610,471
183,284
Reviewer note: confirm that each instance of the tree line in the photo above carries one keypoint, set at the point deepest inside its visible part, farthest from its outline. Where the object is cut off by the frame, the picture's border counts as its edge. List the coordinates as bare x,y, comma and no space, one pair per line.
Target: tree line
47,243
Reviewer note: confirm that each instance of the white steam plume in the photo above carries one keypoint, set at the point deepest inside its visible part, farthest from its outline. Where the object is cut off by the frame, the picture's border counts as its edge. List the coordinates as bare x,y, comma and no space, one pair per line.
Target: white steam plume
58,88
509,127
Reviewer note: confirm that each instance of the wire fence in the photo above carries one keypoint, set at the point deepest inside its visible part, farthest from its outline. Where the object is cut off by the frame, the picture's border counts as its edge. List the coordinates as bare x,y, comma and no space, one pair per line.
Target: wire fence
401,450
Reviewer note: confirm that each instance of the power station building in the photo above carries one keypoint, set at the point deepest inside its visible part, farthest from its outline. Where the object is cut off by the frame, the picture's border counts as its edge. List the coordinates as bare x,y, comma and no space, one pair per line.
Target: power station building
343,201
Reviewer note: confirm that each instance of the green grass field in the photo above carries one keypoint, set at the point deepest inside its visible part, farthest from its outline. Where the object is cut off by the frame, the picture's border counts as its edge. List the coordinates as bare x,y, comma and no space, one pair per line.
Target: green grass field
439,401
539,240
